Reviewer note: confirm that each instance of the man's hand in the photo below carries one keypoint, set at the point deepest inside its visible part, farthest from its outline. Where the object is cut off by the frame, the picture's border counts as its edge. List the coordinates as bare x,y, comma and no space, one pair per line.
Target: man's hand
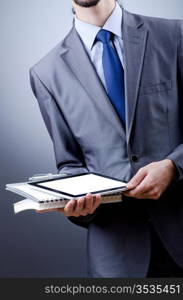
80,207
152,180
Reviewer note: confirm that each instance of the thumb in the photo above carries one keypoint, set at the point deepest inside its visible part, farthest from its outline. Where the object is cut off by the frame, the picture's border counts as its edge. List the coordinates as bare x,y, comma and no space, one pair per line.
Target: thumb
136,180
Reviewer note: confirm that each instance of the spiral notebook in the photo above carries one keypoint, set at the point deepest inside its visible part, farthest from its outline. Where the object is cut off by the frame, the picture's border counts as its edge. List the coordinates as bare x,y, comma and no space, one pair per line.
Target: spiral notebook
37,199
55,193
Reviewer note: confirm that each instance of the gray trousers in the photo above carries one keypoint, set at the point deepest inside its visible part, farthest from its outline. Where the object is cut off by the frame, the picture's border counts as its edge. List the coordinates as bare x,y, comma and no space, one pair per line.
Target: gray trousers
161,263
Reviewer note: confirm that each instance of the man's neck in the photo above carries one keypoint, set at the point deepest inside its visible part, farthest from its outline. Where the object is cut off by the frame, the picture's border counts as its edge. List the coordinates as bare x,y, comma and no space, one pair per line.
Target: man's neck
96,15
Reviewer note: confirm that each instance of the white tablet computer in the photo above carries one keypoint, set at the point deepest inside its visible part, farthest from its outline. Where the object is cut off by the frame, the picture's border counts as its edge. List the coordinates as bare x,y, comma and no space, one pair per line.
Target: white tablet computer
81,184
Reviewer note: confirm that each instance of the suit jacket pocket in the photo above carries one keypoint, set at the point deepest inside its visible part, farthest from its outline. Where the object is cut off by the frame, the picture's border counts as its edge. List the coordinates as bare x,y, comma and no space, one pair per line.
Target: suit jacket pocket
156,87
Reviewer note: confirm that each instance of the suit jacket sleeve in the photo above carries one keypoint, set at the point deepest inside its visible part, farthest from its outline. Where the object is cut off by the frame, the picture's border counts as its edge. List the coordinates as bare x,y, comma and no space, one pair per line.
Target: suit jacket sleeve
68,154
177,155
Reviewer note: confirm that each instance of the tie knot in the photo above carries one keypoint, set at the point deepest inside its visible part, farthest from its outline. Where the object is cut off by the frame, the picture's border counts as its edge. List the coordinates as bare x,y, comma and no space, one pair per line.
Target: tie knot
104,36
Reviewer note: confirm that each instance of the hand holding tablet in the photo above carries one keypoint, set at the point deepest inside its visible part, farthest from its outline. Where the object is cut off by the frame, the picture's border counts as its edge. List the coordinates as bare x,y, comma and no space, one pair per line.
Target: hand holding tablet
87,189
80,207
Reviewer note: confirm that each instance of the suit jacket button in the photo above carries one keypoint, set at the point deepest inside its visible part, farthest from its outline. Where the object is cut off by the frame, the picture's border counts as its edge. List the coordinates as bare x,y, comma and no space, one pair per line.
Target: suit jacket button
134,158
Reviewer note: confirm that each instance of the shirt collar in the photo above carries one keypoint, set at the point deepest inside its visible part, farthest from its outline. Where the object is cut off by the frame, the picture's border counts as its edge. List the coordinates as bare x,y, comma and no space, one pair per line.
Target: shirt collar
88,32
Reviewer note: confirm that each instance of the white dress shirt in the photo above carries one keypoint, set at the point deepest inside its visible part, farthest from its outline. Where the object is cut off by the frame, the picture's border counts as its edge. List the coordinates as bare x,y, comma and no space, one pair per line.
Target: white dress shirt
88,33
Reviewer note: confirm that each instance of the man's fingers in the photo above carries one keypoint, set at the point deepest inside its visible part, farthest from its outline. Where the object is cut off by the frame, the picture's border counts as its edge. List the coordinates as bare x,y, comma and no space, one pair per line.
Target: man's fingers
96,203
147,189
153,194
142,188
86,206
89,202
69,208
137,178
80,207
136,192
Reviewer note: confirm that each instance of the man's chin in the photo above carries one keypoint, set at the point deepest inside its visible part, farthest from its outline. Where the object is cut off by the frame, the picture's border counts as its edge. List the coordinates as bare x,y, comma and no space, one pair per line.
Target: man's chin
87,3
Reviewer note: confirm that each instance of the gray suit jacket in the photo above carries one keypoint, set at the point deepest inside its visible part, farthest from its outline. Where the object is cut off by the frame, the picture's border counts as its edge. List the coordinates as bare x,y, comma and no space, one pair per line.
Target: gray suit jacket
87,136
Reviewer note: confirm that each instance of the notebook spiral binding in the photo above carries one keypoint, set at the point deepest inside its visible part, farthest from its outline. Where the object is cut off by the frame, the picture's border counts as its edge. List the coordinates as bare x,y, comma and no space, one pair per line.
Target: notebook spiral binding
112,196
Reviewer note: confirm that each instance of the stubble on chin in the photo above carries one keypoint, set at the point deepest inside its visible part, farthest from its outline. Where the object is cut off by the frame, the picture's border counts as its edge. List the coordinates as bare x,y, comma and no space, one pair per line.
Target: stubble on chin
86,3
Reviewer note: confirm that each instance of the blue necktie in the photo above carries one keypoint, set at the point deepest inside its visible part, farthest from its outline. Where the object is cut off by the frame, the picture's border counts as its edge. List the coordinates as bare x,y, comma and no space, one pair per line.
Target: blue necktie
113,72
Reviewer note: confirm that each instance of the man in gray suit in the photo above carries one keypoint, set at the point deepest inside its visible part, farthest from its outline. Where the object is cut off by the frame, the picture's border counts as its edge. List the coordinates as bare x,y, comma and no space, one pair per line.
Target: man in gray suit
111,97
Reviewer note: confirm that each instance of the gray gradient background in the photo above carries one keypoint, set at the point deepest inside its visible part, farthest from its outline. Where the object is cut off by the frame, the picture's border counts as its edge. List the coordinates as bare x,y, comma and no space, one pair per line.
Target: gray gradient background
33,245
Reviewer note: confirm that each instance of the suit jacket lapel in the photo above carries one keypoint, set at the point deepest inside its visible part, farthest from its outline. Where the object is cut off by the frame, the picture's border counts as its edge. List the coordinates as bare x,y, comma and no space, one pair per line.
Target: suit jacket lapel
76,57
135,37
